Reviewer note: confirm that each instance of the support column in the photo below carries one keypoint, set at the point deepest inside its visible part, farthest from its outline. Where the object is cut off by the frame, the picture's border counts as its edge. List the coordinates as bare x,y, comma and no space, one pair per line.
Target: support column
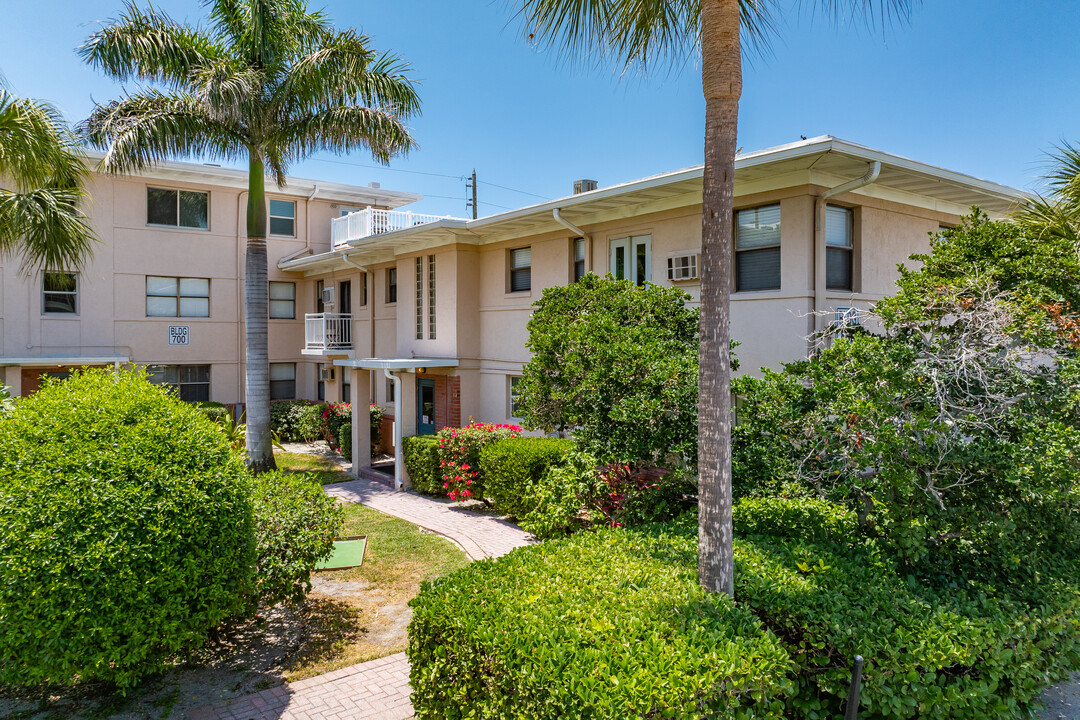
13,380
361,419
408,404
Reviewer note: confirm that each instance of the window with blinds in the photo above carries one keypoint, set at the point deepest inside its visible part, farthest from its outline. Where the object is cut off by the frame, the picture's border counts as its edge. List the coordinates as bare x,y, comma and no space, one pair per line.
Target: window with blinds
521,269
757,248
579,258
839,247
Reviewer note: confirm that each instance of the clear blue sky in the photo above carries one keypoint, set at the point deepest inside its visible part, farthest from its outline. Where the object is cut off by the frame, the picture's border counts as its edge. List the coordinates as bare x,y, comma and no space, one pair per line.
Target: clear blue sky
984,88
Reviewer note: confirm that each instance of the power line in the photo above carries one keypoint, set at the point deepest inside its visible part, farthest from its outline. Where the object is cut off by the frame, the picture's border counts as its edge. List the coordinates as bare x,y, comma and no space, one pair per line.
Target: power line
523,192
383,167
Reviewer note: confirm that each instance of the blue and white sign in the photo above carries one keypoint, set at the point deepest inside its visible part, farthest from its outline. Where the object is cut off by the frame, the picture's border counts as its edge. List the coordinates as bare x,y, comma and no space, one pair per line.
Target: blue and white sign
178,335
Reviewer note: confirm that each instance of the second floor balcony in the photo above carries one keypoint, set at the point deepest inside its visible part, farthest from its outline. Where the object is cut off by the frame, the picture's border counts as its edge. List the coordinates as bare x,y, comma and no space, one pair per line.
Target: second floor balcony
372,221
327,333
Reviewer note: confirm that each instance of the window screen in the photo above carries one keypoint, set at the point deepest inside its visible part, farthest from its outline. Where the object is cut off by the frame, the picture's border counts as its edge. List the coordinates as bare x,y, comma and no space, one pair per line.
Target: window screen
757,248
521,269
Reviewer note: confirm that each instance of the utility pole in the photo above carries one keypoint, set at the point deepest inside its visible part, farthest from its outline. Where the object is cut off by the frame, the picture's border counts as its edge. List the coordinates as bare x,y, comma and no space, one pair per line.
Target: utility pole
471,185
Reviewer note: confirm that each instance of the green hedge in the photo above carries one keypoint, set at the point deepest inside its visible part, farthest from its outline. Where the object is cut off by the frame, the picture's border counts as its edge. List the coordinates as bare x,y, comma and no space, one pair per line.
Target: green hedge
420,453
611,624
214,410
512,469
287,420
125,530
295,525
345,441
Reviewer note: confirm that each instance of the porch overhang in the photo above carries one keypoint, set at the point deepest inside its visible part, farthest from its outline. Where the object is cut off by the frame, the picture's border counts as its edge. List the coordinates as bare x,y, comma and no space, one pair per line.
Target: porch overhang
43,361
396,364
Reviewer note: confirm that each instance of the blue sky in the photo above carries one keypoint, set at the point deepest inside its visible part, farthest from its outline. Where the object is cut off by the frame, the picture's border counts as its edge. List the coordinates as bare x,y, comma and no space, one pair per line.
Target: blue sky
984,88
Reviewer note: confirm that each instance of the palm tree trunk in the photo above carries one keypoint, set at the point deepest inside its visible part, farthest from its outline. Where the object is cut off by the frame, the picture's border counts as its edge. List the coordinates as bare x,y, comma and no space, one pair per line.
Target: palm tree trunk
721,79
260,451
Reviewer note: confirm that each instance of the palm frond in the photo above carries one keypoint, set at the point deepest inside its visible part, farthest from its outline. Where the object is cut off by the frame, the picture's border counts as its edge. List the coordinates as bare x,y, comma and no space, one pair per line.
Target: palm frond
150,127
345,71
1051,217
46,228
229,92
344,129
268,33
37,147
1063,177
149,45
870,12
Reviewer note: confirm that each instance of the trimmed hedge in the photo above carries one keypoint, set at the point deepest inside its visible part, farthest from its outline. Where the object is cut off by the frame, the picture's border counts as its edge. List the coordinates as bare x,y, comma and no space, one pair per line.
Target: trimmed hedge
214,410
125,530
287,419
345,441
295,526
420,454
611,624
512,470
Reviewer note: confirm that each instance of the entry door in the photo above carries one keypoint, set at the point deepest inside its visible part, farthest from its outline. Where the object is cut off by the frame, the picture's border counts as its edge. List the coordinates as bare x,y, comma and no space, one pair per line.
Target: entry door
425,406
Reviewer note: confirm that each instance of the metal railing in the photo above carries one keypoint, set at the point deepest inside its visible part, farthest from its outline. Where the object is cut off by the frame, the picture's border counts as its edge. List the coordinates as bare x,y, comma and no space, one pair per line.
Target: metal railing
371,221
328,331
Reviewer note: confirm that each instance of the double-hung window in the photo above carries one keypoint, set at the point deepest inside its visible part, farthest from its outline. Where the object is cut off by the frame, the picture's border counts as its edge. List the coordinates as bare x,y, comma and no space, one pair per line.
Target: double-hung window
520,269
757,248
60,293
282,381
283,218
177,297
839,247
391,285
515,409
177,208
192,382
631,259
282,300
579,259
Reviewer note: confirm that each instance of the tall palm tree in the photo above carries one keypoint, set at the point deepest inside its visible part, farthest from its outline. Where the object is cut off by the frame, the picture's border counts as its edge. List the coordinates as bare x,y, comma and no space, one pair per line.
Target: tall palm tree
1057,214
269,82
640,34
44,166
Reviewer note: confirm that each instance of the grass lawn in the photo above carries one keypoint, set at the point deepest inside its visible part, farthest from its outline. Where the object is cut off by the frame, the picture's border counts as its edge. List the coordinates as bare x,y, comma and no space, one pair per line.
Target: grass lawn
362,613
323,468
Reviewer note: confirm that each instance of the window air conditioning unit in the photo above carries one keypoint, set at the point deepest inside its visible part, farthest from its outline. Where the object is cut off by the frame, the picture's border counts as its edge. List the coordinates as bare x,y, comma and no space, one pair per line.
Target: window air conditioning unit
328,296
682,267
326,374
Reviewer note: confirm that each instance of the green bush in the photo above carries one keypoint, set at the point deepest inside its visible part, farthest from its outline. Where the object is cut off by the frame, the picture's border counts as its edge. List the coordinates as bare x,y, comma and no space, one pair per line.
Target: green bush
125,530
345,441
459,456
214,410
561,496
287,418
512,469
611,624
310,422
420,454
295,525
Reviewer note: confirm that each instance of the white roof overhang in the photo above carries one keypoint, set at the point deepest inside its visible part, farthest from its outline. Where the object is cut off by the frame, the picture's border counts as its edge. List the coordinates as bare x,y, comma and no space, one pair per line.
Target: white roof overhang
396,363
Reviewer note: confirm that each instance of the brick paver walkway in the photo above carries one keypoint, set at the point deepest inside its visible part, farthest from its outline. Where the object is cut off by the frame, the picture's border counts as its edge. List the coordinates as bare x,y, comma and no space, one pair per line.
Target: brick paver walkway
378,689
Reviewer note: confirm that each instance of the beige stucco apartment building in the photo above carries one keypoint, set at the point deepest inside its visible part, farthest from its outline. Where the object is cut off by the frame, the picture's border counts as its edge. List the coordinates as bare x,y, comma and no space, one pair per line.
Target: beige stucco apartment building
427,316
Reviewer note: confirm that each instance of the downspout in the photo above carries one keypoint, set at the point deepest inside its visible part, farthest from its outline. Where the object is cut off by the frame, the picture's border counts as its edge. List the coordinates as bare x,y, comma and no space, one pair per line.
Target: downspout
578,232
820,204
398,482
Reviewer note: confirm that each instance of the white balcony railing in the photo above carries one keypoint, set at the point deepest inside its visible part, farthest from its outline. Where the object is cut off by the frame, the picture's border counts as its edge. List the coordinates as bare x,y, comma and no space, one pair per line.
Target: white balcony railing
372,221
328,331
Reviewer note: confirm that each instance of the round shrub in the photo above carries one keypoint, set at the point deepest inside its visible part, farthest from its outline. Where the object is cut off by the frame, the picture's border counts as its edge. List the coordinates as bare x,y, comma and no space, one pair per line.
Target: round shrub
125,530
420,454
512,469
345,441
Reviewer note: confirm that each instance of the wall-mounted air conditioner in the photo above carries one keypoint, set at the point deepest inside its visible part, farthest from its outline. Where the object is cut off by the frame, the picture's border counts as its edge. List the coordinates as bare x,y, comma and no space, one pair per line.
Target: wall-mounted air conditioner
326,374
328,296
682,267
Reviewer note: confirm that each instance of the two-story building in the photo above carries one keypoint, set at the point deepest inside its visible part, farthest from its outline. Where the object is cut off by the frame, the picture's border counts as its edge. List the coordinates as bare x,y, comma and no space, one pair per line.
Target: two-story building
427,316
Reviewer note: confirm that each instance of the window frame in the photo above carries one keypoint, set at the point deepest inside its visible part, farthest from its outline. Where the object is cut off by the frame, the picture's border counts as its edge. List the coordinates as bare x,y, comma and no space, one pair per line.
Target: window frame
630,245
74,294
177,296
512,397
849,249
180,384
271,300
419,263
510,270
178,226
391,285
320,384
291,382
575,275
270,217
778,246
431,296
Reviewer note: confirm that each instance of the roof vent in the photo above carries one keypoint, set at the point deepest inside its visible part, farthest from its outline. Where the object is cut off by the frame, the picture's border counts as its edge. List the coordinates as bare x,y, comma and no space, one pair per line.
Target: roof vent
374,185
582,186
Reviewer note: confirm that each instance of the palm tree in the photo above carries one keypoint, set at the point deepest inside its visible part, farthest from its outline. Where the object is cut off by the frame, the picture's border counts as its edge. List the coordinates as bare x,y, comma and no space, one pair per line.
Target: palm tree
639,34
43,162
269,82
1058,213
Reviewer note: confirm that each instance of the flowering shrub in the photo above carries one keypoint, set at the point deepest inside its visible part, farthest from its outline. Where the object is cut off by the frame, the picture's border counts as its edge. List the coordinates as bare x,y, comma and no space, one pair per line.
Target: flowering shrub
334,416
459,456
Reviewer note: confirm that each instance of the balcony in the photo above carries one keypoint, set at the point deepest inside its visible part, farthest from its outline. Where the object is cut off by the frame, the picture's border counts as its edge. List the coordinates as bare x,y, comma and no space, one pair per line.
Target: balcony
372,221
327,333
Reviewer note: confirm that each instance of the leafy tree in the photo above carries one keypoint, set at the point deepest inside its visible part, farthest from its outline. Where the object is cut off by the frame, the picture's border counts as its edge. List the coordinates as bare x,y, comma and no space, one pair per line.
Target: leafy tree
637,34
39,214
269,82
617,364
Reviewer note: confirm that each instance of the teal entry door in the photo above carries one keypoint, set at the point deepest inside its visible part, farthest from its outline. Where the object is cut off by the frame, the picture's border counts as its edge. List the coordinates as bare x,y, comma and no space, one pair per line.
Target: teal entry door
425,406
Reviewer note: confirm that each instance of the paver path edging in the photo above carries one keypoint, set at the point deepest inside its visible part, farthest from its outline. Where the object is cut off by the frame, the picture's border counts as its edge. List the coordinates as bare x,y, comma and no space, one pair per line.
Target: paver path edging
377,689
